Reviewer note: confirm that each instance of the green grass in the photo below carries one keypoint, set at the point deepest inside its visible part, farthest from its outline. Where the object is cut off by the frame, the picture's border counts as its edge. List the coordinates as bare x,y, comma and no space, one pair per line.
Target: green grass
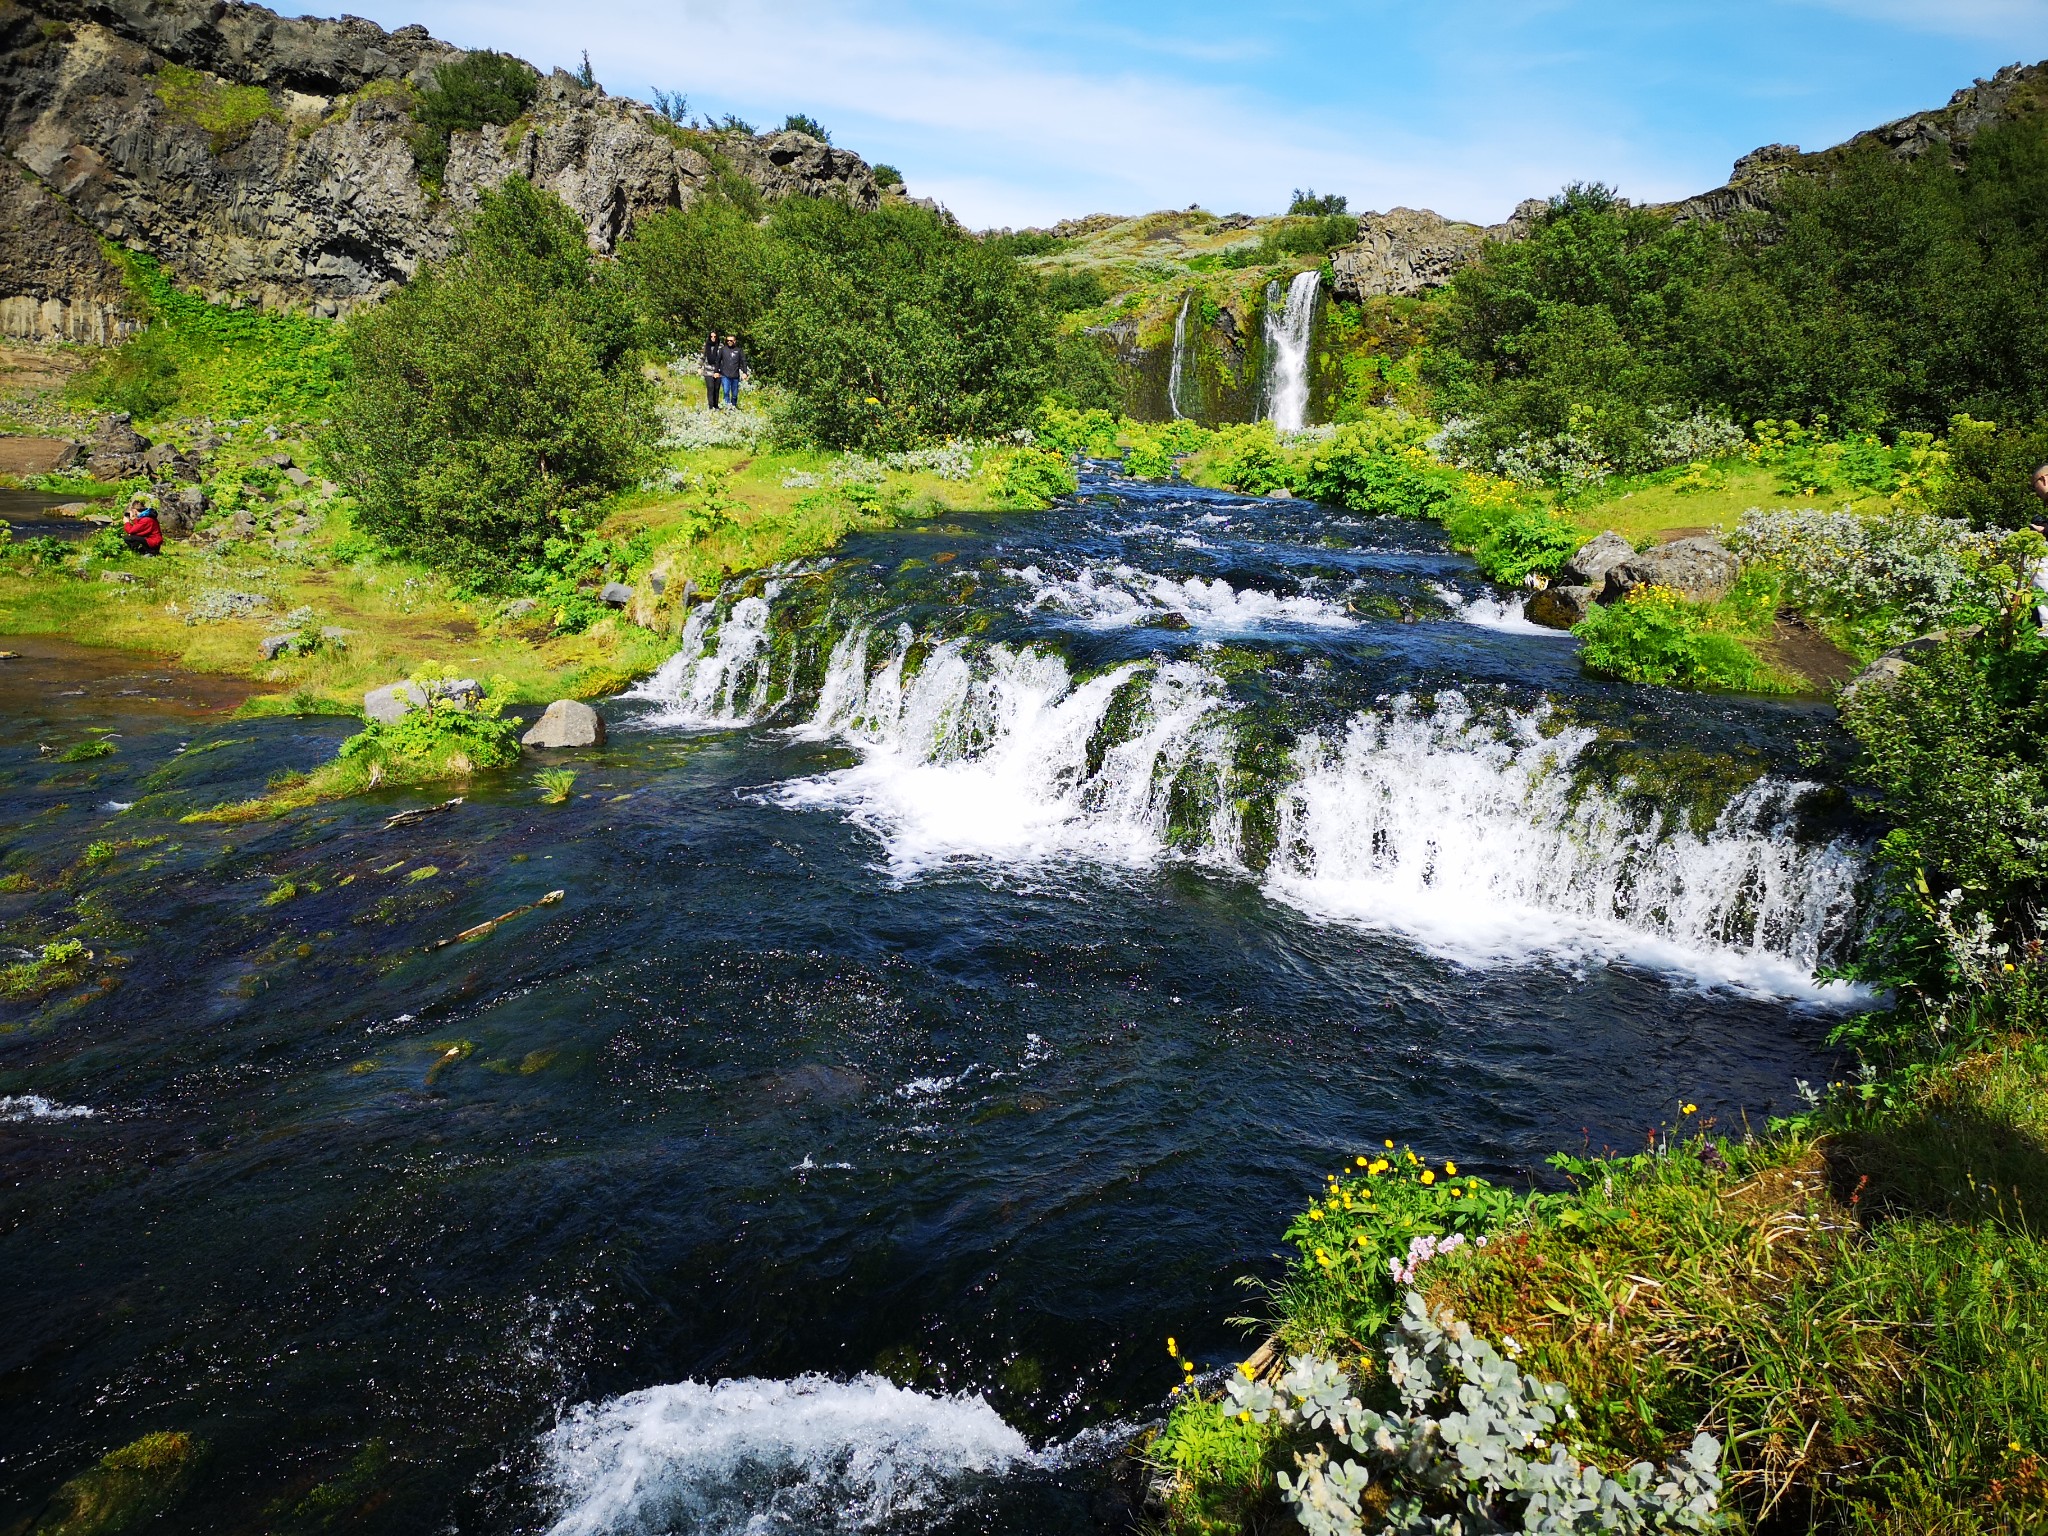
1856,1305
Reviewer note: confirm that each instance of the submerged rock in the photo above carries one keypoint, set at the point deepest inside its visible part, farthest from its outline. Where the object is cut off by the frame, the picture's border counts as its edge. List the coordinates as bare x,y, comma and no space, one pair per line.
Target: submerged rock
1559,607
1698,570
566,723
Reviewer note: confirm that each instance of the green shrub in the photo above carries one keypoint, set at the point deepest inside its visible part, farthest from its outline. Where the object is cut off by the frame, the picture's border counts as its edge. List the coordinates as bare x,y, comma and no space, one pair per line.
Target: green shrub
1358,1247
467,94
497,398
1090,434
437,738
803,122
1362,469
1308,205
204,359
1034,477
1510,539
893,327
702,268
1070,288
1249,459
888,176
1951,760
1655,636
1991,473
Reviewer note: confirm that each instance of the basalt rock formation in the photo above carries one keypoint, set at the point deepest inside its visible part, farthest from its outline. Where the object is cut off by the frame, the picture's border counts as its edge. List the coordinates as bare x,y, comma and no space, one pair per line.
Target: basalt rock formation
260,157
1408,251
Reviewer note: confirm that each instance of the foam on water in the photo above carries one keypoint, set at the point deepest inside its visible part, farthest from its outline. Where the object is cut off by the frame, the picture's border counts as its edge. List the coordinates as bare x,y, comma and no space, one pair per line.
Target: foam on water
1490,612
716,677
1470,836
754,1456
1121,596
33,1106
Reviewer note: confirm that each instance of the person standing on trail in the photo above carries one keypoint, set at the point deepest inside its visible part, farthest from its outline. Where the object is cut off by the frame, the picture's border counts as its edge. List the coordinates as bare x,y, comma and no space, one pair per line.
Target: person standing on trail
732,366
2039,574
710,367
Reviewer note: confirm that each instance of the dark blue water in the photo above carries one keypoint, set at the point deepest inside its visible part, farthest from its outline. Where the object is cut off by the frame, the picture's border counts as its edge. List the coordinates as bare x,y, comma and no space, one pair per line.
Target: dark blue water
367,1217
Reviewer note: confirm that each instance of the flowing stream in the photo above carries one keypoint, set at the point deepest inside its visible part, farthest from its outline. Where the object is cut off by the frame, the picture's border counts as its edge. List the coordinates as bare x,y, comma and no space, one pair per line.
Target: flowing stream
974,943
1288,331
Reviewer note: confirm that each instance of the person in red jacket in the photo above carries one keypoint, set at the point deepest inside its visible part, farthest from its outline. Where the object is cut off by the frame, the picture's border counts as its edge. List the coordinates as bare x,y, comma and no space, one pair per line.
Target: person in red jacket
145,535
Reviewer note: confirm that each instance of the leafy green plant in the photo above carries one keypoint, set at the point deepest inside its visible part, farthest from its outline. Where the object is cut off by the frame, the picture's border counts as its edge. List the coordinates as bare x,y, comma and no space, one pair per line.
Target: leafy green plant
467,94
803,122
1309,205
888,176
86,751
227,112
57,965
1034,477
497,398
1360,1246
1476,1446
439,737
556,784
1655,636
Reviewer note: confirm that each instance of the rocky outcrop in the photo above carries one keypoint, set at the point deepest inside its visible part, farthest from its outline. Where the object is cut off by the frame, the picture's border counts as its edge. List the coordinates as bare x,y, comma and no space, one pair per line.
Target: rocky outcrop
1408,251
1699,570
1595,558
309,198
1560,606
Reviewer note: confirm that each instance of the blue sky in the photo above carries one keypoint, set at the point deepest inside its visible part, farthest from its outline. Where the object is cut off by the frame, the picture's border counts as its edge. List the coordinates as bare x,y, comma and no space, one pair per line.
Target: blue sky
1022,113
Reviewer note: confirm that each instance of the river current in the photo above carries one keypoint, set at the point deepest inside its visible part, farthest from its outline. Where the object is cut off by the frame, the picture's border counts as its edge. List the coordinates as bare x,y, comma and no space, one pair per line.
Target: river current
974,945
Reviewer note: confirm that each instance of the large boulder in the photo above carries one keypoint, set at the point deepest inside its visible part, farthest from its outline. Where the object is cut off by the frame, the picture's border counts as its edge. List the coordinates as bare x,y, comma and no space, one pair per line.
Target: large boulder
394,701
616,593
1698,570
117,451
179,511
566,723
1901,659
1559,607
1589,567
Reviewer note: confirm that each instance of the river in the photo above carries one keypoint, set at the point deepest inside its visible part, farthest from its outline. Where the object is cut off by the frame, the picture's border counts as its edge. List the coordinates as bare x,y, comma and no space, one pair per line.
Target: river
974,946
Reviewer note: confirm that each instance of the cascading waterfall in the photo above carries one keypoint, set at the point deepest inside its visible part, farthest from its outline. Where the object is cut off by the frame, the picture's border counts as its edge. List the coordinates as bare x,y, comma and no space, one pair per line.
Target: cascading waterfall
1464,828
1287,339
1180,347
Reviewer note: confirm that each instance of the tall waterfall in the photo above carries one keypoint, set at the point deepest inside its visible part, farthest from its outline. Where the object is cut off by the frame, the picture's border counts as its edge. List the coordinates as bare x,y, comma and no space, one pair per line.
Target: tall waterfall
1466,828
1287,338
1180,349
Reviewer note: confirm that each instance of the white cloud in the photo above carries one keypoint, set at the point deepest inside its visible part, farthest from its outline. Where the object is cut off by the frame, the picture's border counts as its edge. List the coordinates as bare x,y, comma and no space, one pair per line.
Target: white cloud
1007,136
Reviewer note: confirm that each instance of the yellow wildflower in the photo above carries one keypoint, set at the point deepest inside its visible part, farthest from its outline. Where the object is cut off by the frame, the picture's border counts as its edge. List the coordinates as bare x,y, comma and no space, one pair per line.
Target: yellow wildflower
1171,1347
1450,1167
1390,1143
1428,1177
1689,1109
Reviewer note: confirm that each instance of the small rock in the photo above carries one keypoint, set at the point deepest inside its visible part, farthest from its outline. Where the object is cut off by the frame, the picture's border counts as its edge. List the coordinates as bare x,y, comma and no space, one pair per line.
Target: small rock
115,576
329,489
1589,567
275,646
275,461
1559,607
520,607
298,477
1698,570
391,702
1280,494
617,593
567,723
658,582
333,636
241,526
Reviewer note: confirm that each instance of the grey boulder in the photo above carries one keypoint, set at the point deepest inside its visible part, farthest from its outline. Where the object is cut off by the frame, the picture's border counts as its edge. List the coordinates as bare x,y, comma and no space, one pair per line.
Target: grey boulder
1589,567
275,646
1698,570
520,607
617,593
179,511
566,723
1559,607
393,701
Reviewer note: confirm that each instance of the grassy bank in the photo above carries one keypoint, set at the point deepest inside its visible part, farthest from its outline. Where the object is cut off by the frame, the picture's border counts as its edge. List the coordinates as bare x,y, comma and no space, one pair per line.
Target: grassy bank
295,567
1853,1303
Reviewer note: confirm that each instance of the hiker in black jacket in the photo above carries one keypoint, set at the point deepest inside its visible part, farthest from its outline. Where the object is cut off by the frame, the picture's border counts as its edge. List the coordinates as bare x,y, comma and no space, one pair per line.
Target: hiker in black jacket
710,367
732,366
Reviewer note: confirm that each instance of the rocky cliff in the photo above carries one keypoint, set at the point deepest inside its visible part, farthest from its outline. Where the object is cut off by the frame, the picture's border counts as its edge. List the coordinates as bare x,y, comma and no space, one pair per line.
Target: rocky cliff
1409,251
263,157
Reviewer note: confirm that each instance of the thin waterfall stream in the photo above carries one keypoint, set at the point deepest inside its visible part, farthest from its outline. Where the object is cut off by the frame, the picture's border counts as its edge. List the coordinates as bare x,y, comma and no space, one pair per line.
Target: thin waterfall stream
975,940
1176,368
1289,330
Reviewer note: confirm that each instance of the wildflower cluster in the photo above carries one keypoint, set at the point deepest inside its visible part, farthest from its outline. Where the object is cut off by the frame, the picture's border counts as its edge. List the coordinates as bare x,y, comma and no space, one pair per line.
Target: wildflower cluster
1376,1226
1474,1447
1897,573
687,427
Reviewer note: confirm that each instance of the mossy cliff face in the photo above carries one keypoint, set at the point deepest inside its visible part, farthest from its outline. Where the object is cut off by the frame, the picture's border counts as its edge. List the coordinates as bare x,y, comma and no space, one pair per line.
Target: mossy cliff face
271,159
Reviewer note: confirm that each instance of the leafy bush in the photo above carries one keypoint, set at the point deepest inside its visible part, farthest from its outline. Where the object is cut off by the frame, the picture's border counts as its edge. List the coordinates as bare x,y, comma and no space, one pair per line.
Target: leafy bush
1360,1246
803,122
1249,459
1380,466
209,360
891,327
1991,472
1463,1451
476,90
708,267
888,176
1312,206
498,397
1070,288
1034,477
1655,636
1890,576
439,737
1152,447
1507,537
1088,434
1951,759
